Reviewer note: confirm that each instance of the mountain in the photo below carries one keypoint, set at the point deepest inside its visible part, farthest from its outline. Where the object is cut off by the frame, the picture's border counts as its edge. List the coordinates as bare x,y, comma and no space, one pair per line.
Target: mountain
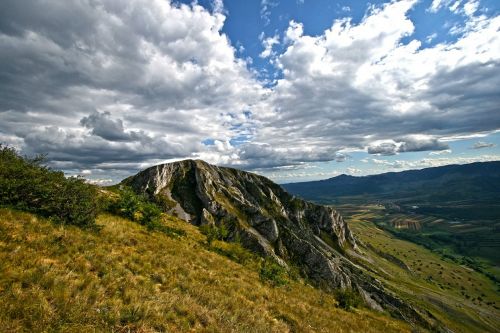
453,210
269,221
475,182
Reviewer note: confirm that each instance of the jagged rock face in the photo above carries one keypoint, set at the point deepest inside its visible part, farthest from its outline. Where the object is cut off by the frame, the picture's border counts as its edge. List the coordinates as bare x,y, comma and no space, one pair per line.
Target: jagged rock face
267,220
258,212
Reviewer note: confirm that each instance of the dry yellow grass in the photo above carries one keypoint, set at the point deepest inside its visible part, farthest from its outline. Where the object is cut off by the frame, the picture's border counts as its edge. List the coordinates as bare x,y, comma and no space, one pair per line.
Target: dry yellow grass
124,278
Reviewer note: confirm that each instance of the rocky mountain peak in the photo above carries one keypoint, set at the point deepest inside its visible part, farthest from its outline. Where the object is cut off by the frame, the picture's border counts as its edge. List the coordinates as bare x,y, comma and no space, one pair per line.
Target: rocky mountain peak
269,221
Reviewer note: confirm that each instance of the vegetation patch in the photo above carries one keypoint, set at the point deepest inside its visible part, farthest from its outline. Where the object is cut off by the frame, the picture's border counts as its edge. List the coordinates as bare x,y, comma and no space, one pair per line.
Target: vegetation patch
273,273
214,232
347,299
27,185
139,209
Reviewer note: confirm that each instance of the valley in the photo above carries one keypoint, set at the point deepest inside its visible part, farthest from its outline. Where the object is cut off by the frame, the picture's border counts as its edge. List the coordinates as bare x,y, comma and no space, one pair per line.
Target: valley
463,298
453,210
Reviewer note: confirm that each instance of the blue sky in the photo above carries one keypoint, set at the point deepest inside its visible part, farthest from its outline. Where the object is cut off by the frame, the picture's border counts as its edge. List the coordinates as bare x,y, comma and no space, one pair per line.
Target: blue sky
294,90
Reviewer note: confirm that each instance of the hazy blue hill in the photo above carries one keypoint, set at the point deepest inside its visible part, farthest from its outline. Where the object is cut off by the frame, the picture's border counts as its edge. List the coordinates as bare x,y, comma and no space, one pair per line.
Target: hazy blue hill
479,182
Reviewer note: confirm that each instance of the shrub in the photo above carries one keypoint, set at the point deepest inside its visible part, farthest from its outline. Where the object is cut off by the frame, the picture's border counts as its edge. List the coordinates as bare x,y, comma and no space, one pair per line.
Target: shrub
26,184
271,272
138,209
214,232
347,298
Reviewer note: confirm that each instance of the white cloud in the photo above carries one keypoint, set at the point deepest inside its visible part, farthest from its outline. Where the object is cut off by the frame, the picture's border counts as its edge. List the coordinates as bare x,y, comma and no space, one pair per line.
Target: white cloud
358,86
438,4
218,6
454,7
430,38
116,86
471,7
434,162
268,44
266,6
440,152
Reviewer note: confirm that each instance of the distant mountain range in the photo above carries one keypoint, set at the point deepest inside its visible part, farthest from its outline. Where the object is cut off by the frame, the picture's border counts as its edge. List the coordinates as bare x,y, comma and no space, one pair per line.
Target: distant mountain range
475,182
449,208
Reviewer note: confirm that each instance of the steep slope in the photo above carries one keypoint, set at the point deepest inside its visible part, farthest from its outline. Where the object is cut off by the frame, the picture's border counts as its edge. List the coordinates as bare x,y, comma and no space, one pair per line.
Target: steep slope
269,221
124,278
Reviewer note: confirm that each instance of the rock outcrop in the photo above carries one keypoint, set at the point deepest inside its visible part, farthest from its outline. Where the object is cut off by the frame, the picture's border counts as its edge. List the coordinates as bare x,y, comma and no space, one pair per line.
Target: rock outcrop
271,222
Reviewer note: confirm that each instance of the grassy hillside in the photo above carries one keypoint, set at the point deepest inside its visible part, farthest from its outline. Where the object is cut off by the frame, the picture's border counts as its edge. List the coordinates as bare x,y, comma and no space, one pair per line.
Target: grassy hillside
126,278
465,300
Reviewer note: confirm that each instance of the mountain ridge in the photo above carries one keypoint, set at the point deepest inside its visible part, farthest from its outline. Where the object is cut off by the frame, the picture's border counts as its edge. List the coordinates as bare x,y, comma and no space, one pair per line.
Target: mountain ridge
403,182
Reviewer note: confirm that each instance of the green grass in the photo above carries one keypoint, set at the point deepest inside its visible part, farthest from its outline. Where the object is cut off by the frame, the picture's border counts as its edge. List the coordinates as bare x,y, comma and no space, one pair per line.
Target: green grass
123,277
465,300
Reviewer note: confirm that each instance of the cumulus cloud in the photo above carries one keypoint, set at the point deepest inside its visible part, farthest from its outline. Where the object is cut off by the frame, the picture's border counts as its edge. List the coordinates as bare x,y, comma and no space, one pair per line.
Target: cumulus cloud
102,125
359,86
422,143
268,44
162,77
112,86
383,148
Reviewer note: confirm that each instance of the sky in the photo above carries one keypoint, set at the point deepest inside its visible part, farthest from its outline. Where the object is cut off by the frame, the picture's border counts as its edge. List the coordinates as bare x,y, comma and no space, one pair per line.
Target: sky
294,90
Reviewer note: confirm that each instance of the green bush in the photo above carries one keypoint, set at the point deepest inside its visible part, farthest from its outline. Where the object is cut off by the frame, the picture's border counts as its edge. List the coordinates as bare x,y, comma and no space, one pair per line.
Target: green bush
214,232
27,185
347,299
139,209
271,272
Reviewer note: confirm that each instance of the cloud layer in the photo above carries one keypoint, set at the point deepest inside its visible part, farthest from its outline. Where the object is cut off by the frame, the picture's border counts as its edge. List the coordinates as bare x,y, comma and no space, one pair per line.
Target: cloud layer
359,86
109,85
113,81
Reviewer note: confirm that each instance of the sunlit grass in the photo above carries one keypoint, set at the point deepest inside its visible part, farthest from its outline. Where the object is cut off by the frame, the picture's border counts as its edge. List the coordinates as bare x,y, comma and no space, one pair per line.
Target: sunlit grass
125,278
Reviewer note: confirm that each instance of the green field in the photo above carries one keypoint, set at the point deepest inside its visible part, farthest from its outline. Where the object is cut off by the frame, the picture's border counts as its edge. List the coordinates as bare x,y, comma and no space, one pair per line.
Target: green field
464,299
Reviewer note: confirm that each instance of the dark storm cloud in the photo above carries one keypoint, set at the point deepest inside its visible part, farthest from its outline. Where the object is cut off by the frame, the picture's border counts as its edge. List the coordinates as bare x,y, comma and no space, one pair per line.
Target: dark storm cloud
102,125
422,144
385,148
